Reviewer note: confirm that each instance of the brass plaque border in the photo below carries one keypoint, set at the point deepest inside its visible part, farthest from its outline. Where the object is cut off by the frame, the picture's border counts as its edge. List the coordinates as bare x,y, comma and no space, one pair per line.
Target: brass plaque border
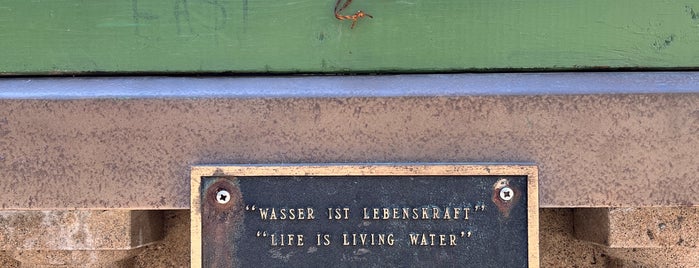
412,169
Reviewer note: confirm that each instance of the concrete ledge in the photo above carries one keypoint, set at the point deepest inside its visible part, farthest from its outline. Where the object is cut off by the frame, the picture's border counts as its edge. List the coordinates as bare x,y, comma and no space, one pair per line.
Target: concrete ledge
131,143
639,227
642,237
84,238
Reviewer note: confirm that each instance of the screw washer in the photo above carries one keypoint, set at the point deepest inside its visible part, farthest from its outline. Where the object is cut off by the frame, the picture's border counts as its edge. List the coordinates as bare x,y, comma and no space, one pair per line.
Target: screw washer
223,196
506,194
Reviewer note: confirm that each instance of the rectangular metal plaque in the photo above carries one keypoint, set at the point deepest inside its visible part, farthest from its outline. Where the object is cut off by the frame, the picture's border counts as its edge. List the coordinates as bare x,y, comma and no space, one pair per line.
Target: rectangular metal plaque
414,215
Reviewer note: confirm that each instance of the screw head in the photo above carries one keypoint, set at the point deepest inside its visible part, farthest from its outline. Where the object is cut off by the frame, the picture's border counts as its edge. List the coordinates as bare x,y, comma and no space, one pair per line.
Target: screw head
223,196
506,194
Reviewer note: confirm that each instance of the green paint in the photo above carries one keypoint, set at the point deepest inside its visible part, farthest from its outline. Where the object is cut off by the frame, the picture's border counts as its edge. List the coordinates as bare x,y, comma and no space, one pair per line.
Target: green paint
72,36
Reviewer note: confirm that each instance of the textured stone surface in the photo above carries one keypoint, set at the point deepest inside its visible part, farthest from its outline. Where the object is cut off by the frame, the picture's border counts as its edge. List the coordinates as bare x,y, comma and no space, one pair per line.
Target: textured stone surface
173,250
78,258
7,261
79,229
592,150
560,248
675,257
86,238
642,237
639,227
592,225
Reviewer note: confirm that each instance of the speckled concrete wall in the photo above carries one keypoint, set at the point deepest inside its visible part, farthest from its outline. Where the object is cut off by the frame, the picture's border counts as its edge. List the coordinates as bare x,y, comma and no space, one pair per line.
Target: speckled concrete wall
129,142
592,150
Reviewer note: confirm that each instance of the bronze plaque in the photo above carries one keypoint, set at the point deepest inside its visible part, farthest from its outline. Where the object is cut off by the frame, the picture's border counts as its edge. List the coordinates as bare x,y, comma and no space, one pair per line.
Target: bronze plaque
453,215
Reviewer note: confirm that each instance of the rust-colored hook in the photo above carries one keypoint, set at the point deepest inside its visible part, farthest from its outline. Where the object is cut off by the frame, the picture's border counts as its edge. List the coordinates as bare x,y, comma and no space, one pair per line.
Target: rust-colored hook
360,14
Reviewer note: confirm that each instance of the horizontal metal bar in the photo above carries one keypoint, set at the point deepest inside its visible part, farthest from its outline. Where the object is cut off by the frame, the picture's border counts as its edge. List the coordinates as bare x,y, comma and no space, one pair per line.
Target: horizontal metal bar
351,86
130,142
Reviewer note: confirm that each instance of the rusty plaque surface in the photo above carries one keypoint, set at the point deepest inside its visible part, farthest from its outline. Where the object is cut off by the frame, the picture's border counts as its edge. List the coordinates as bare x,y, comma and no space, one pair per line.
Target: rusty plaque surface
365,216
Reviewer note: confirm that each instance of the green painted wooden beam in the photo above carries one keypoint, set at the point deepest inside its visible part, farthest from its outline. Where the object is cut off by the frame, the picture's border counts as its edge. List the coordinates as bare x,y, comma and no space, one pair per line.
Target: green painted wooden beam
77,36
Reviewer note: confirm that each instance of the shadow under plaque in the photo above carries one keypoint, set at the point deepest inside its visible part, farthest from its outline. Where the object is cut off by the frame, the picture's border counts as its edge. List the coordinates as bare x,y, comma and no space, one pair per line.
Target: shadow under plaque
372,215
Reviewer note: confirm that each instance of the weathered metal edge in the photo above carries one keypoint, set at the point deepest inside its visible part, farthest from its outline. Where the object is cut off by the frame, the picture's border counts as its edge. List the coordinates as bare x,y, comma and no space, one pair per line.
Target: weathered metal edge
373,169
416,85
